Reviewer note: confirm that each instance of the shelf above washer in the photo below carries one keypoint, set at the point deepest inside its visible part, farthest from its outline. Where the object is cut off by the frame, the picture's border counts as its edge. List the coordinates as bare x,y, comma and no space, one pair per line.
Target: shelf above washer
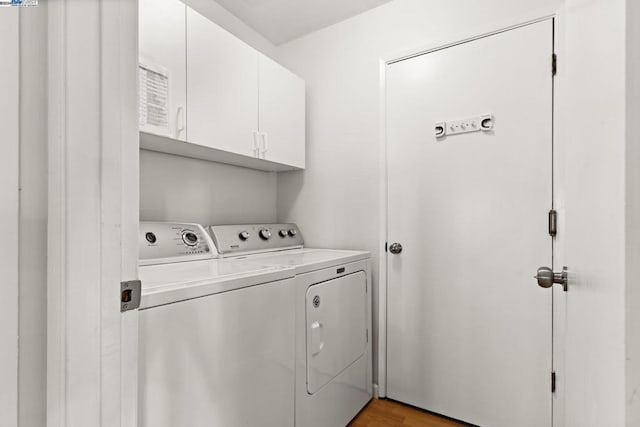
162,144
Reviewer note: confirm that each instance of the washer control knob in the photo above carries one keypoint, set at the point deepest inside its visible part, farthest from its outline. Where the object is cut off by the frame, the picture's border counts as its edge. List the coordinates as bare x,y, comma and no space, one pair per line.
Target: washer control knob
244,235
190,238
293,232
283,233
265,234
151,237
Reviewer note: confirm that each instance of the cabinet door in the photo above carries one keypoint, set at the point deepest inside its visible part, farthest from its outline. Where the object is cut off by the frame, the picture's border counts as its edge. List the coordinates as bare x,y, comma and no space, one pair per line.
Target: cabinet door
162,54
282,114
222,87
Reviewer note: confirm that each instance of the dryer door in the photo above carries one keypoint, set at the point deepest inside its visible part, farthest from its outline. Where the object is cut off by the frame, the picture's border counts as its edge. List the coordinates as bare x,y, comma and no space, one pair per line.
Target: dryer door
336,327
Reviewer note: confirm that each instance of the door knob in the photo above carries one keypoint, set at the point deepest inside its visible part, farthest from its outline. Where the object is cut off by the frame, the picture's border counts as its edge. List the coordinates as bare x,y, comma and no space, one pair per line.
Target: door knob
395,248
546,278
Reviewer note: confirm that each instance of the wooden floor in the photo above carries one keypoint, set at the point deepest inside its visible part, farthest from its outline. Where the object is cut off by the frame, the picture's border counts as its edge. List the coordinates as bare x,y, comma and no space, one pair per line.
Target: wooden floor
387,413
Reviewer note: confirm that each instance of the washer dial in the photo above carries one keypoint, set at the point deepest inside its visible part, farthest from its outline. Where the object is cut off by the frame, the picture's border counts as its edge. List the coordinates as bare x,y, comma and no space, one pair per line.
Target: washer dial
190,238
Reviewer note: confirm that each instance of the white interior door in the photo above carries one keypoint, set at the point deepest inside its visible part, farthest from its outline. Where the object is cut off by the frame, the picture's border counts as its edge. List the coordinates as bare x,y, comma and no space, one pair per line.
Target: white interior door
469,330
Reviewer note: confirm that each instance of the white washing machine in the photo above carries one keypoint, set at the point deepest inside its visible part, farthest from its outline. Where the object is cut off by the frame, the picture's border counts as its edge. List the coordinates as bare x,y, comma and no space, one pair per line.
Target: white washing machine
333,317
216,335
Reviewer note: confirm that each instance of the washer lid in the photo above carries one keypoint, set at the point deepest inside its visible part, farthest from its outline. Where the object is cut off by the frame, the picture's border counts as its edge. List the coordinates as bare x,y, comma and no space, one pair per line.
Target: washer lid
169,283
307,259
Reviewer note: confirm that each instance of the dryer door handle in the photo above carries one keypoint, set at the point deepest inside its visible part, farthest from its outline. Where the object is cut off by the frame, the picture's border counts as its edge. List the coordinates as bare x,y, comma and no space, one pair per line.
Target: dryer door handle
317,343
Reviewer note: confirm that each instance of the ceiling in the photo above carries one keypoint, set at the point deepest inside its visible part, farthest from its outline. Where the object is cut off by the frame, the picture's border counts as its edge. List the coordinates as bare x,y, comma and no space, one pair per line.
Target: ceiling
280,21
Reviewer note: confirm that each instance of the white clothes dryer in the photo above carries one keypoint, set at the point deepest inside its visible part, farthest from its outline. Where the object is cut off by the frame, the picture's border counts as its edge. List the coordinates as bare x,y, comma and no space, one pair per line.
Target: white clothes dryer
333,380
216,335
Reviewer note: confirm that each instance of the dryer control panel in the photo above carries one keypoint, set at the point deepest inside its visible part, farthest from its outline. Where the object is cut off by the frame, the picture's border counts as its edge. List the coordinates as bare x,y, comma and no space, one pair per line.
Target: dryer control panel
166,242
233,240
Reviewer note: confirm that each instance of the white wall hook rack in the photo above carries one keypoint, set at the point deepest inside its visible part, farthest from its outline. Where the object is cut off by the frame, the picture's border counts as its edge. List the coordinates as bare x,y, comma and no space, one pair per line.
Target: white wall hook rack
473,124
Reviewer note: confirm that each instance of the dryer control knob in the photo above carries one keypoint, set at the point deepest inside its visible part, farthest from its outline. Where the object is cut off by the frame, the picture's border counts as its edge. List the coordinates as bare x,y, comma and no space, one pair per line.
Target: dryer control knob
283,233
244,235
265,234
293,232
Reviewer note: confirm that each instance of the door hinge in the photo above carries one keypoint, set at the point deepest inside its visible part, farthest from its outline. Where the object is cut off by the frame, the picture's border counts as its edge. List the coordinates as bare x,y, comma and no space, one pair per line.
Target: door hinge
553,382
386,244
553,223
554,64
367,335
130,292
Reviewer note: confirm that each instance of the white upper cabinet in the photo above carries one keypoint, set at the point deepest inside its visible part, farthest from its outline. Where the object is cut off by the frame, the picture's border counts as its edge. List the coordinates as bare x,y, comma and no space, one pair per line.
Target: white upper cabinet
222,88
282,114
202,85
163,67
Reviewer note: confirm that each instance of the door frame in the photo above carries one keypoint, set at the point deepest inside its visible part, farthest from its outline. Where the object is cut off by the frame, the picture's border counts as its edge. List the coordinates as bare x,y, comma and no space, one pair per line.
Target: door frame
93,212
559,297
9,214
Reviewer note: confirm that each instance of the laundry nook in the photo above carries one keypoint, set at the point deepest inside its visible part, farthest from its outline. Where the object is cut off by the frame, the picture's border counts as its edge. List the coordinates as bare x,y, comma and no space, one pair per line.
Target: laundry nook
320,213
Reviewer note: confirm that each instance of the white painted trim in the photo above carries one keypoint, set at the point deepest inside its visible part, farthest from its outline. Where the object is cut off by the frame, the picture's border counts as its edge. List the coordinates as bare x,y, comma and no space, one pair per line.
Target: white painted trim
383,227
9,214
120,207
559,153
56,367
559,398
376,391
127,31
478,35
93,210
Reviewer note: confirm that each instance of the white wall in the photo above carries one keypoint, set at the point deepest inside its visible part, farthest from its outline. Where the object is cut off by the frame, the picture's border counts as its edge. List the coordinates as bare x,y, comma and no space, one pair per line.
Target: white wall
221,16
24,214
33,215
23,118
336,200
592,123
176,188
9,216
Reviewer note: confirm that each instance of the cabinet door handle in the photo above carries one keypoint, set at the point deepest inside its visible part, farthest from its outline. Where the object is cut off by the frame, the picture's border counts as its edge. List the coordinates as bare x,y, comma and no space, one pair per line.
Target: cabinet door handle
265,145
256,145
180,121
